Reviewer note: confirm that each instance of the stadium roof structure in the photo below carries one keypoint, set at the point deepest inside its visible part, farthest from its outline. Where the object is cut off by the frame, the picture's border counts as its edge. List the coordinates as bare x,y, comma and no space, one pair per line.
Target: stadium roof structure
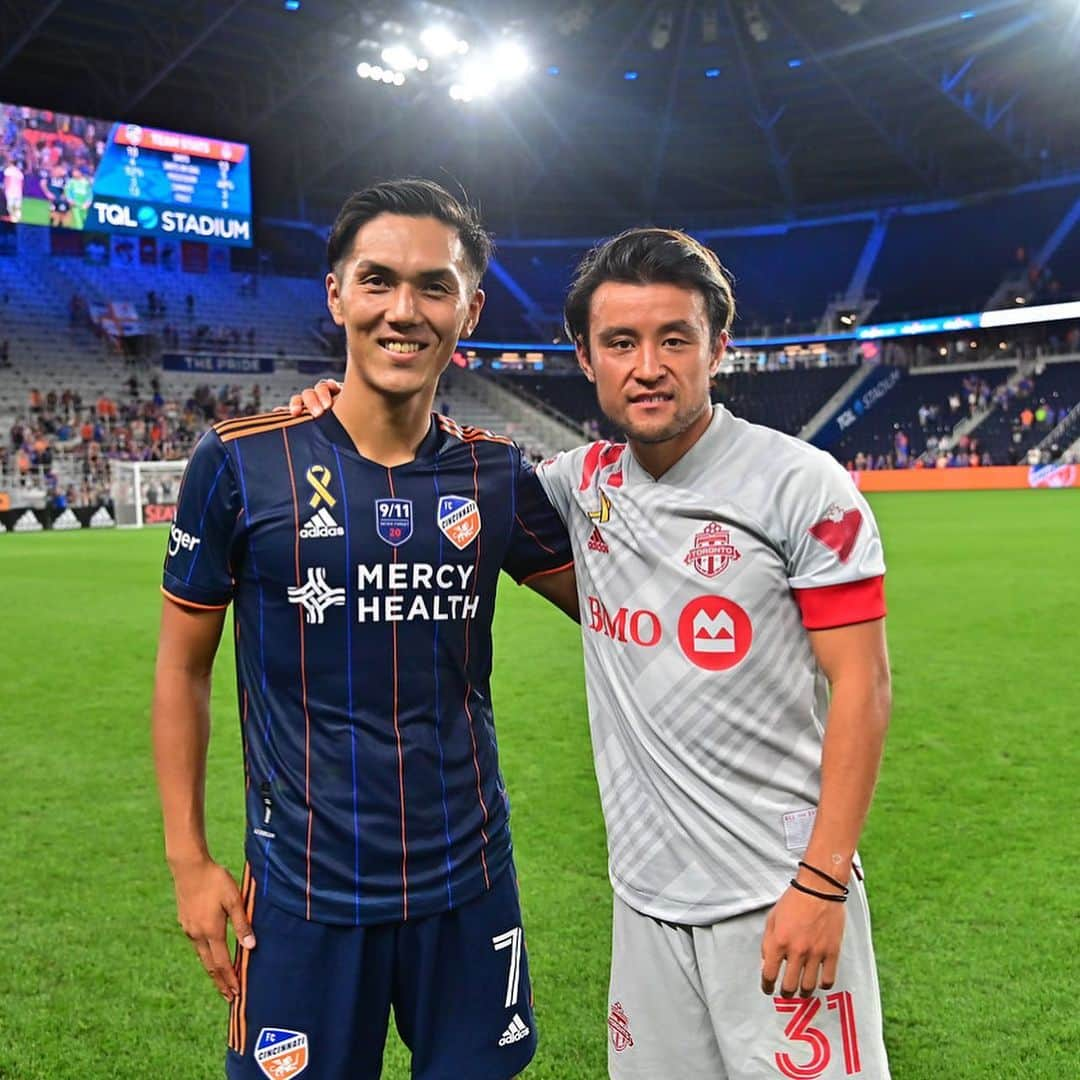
690,112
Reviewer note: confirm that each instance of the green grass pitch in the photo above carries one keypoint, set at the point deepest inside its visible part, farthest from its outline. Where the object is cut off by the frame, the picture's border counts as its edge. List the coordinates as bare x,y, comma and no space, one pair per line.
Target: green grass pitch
970,850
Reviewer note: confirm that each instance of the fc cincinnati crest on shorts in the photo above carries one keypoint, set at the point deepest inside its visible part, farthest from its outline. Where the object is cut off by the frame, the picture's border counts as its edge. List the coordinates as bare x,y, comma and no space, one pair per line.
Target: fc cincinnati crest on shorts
713,550
459,520
393,520
280,1053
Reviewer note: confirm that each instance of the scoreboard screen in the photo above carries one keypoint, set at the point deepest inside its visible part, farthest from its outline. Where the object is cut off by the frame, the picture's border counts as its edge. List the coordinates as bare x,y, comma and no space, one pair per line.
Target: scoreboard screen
74,172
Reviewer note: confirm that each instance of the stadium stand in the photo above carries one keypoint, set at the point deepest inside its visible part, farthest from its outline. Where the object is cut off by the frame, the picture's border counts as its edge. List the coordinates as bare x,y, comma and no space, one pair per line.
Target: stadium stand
1019,422
925,407
775,292
784,400
952,261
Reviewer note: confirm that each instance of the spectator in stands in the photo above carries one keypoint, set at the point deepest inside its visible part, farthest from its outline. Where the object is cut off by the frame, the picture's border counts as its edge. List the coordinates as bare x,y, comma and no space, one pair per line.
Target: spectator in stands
900,447
5,353
189,305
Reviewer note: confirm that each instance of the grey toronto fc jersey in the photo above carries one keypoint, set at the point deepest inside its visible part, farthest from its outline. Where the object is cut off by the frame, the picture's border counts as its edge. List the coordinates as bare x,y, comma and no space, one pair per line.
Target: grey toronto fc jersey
706,705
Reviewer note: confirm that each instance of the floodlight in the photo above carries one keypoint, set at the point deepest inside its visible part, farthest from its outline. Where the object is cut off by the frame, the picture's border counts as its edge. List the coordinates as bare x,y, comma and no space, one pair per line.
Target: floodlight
363,70
399,57
477,80
439,41
510,61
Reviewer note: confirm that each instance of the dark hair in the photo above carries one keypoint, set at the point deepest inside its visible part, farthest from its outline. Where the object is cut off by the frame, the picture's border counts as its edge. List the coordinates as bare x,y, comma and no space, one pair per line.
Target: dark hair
645,257
412,198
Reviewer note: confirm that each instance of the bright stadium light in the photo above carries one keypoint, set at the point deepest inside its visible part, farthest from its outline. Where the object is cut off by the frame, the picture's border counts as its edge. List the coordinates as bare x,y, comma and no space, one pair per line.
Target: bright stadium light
477,80
399,78
439,41
400,58
510,61
387,76
363,70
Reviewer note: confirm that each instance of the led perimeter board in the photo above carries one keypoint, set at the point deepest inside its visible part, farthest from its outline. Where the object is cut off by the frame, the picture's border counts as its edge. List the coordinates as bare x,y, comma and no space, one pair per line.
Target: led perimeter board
73,172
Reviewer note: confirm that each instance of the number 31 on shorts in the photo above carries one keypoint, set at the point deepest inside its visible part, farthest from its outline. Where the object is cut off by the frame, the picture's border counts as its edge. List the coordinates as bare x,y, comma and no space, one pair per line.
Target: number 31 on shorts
511,940
800,1030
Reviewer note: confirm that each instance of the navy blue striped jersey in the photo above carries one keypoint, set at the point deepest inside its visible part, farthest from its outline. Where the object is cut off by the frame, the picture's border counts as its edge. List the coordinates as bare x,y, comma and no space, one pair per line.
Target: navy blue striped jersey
363,598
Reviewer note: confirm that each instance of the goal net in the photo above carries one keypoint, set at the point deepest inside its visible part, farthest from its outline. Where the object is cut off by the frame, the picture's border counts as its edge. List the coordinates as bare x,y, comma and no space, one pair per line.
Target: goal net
144,492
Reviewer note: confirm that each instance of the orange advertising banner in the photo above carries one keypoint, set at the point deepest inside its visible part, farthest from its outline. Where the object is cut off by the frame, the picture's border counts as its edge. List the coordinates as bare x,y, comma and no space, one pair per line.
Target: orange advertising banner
983,478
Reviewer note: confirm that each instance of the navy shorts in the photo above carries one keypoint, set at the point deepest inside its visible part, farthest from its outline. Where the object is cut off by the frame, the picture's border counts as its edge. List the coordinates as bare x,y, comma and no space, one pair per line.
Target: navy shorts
316,998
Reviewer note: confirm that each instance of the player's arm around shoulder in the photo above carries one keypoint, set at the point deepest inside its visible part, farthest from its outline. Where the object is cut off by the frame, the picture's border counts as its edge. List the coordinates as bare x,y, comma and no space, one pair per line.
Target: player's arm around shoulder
560,588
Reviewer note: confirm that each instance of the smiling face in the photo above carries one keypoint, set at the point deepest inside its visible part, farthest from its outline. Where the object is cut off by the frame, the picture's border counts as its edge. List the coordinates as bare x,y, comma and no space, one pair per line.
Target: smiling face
651,357
404,294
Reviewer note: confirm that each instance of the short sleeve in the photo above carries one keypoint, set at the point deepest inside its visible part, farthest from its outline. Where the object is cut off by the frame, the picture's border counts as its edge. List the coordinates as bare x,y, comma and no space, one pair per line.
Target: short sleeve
539,543
197,560
556,476
836,565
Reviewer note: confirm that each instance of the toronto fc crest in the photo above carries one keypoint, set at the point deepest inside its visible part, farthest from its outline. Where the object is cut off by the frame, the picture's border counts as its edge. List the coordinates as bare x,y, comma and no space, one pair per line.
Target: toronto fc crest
713,550
619,1024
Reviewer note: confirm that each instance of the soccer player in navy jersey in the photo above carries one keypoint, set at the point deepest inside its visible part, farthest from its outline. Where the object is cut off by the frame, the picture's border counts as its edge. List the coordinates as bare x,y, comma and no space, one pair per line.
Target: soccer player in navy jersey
361,551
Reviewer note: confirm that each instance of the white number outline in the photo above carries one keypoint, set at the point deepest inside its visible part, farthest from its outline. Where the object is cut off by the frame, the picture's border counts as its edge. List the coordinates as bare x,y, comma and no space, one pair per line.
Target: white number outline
512,940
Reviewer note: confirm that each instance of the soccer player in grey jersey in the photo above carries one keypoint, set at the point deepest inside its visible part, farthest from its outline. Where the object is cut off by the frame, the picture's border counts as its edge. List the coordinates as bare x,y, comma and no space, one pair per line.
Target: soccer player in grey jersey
728,577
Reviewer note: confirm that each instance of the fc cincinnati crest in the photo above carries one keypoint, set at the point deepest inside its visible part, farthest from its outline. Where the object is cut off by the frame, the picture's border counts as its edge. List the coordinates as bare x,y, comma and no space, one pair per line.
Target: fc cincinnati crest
713,550
281,1054
459,520
393,520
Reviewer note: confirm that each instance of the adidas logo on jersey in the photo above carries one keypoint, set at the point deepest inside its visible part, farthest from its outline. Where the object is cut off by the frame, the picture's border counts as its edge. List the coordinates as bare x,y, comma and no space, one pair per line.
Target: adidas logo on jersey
517,1031
321,524
101,519
597,541
28,522
67,520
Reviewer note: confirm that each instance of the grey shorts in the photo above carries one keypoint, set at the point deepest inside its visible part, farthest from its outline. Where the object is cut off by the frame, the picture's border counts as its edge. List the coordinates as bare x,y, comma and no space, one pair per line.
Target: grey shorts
686,1004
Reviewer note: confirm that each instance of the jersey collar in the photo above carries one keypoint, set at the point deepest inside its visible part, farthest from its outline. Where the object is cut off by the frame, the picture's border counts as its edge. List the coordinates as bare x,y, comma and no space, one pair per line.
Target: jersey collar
331,428
697,460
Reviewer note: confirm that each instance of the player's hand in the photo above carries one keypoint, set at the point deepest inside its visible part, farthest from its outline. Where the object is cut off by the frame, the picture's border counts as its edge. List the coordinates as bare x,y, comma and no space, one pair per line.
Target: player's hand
803,933
315,399
207,899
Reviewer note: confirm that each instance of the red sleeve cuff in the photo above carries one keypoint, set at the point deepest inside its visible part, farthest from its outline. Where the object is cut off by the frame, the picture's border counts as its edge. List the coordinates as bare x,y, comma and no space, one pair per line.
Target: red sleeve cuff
830,606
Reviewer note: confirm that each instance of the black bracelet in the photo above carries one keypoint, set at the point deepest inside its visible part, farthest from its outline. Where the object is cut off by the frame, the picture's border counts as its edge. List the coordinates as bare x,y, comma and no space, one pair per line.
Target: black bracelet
825,877
836,898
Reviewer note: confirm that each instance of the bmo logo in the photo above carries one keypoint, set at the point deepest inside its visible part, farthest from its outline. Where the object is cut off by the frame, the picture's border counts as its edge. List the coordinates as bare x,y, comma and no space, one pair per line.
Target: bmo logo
714,632
639,626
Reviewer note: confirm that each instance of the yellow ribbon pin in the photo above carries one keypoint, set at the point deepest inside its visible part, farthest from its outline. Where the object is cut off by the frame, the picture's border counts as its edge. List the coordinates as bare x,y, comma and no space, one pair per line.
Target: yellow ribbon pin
318,476
604,513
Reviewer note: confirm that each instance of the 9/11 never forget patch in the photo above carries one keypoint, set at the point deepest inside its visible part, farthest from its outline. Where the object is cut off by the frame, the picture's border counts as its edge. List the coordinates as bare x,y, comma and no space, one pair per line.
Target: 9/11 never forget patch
280,1053
393,520
459,520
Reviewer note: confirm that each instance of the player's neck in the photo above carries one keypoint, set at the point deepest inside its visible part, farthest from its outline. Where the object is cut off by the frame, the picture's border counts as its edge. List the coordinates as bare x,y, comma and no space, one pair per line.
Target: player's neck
385,430
657,457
